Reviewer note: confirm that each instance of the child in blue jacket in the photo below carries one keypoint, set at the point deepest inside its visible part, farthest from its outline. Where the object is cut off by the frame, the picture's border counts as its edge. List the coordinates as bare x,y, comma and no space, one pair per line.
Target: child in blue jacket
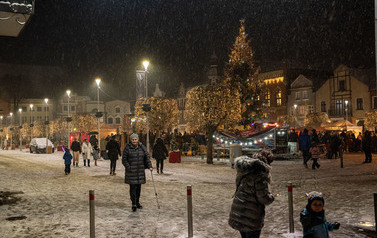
67,161
313,218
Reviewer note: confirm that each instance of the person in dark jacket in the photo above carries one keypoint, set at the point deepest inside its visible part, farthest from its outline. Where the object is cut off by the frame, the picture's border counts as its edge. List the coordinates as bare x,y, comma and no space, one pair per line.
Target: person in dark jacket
67,161
135,159
334,144
76,148
304,145
159,154
252,194
367,147
113,150
313,218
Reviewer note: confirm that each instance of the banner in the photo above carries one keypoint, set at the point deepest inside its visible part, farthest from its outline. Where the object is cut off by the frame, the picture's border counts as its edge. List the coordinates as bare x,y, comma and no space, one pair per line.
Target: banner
140,84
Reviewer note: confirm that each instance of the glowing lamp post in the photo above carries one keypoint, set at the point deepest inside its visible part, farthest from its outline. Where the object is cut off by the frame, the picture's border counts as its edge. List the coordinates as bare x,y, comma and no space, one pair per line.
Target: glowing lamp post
11,130
46,123
31,121
98,114
346,102
295,106
68,120
20,127
146,64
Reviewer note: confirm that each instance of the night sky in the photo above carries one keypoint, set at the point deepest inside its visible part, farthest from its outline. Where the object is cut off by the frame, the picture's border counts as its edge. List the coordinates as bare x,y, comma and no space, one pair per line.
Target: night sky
90,38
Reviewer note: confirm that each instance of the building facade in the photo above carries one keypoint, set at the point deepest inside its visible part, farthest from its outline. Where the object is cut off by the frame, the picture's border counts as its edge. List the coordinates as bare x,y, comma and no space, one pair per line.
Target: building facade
301,98
115,111
345,95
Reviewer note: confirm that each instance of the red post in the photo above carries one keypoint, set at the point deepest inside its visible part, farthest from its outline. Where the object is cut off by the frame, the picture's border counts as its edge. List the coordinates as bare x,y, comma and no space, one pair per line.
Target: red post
290,206
189,211
91,213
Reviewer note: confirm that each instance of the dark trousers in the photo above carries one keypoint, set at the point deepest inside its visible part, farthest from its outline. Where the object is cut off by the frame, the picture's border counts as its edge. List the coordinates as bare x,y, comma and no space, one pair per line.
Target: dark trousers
306,155
135,190
113,164
368,156
315,163
160,162
67,168
250,234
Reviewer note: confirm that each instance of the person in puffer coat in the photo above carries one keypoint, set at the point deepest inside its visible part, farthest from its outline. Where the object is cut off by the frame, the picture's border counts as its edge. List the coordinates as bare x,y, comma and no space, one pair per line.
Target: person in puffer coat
252,194
135,159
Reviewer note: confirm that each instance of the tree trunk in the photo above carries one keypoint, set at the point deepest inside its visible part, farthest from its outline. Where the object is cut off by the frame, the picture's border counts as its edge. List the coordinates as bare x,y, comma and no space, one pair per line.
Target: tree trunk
209,146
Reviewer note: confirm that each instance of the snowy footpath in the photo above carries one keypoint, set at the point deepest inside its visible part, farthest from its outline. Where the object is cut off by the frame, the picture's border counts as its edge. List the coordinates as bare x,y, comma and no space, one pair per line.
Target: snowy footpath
52,204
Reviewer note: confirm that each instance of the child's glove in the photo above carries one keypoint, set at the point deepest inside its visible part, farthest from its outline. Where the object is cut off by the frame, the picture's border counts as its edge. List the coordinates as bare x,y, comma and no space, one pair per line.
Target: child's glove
336,225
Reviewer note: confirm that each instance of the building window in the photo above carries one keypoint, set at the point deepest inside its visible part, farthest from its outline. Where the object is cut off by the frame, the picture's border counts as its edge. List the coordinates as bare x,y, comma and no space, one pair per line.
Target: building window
298,95
342,85
310,108
323,106
267,98
339,107
278,98
39,109
359,104
117,120
374,102
117,110
302,110
305,94
73,108
24,109
46,109
65,108
110,120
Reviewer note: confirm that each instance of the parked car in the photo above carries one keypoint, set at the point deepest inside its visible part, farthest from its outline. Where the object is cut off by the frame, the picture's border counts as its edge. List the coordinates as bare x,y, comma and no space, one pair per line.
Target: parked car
38,145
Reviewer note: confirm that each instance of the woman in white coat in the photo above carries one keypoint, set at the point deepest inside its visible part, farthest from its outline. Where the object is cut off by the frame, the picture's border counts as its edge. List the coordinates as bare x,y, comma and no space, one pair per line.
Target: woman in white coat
86,151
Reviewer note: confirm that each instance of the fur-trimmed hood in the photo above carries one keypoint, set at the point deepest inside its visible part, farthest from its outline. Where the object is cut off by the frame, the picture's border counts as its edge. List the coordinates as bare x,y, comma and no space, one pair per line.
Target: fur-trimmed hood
245,164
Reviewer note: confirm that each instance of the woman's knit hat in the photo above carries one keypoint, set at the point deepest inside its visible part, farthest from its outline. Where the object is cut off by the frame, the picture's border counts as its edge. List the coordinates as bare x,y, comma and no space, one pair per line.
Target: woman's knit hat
134,135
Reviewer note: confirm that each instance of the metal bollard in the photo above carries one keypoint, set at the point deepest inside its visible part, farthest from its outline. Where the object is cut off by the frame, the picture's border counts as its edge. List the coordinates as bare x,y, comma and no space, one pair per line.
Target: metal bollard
189,211
91,214
290,205
341,157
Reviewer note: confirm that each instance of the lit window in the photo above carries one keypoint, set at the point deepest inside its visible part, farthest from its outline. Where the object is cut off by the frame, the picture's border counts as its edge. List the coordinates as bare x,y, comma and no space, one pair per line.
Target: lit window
278,98
267,97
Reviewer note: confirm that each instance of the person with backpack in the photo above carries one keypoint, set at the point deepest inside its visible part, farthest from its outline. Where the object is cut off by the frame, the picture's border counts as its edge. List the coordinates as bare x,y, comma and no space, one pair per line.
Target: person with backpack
113,150
159,154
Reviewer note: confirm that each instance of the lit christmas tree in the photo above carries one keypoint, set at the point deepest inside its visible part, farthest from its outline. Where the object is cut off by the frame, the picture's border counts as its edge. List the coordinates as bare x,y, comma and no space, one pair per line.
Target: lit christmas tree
209,108
242,73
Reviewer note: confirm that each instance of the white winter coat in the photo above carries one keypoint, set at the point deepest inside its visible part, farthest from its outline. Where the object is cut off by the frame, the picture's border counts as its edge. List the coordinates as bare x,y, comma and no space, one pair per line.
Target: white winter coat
87,148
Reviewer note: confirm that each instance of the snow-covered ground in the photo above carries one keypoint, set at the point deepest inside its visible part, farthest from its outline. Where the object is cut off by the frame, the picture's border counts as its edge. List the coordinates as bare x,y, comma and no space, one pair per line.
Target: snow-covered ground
56,205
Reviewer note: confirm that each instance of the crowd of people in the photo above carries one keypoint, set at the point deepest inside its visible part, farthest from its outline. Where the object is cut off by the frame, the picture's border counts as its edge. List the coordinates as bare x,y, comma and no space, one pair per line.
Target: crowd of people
333,143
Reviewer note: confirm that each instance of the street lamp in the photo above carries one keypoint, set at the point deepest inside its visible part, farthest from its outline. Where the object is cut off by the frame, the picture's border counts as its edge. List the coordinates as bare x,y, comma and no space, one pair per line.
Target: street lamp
31,121
346,102
11,130
295,119
68,120
20,111
46,123
146,64
98,115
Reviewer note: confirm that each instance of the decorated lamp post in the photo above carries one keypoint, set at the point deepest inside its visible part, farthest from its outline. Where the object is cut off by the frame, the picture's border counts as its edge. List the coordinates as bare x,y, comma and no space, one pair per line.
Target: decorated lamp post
68,120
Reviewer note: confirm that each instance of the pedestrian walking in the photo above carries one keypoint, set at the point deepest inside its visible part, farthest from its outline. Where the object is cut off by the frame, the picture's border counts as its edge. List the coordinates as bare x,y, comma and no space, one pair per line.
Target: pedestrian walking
135,159
67,161
304,146
86,152
313,218
367,147
252,194
159,154
96,154
76,148
315,154
113,150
